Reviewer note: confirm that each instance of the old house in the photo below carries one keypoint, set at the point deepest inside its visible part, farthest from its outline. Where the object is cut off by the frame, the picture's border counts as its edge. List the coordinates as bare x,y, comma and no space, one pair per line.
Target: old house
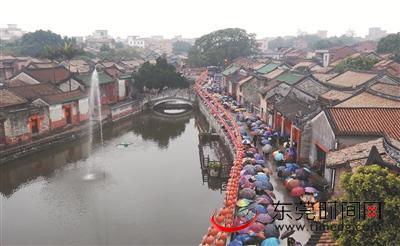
58,76
247,93
108,86
19,120
339,127
382,151
389,66
60,108
77,66
352,79
232,79
272,92
65,108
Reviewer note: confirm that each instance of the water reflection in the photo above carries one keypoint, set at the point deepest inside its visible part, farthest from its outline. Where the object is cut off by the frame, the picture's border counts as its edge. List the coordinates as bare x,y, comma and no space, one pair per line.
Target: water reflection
147,190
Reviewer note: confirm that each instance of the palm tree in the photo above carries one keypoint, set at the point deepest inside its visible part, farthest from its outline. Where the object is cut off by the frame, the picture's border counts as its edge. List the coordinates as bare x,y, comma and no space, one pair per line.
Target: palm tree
68,51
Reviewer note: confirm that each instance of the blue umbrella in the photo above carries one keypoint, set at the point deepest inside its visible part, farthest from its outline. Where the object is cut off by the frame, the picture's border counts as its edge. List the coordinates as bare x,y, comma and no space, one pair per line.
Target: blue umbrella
278,156
261,177
258,208
236,243
265,141
261,185
243,132
261,162
272,241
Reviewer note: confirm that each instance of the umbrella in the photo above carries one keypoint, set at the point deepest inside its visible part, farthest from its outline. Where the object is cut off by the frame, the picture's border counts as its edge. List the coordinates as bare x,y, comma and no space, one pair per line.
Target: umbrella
297,191
261,177
243,202
253,124
291,166
250,169
242,211
301,173
247,193
272,241
271,194
258,156
265,141
259,168
243,132
235,243
264,218
266,149
258,208
263,201
271,230
261,162
246,141
267,197
310,190
293,183
278,156
281,168
258,122
247,184
257,227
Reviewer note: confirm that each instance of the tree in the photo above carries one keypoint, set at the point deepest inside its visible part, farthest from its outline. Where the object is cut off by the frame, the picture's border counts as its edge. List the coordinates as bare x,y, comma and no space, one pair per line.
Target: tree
181,47
158,76
371,183
280,42
389,44
214,48
357,63
335,42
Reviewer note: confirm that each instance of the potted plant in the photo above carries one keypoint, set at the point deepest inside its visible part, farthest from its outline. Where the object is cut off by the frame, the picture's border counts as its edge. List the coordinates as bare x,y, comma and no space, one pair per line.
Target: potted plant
213,168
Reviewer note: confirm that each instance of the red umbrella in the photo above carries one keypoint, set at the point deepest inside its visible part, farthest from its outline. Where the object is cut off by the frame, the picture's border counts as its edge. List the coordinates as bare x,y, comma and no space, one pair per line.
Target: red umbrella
297,191
293,183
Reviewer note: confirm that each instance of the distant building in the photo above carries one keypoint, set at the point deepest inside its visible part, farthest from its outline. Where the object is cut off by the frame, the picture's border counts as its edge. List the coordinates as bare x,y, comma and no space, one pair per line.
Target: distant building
135,41
375,33
263,44
322,33
98,39
11,32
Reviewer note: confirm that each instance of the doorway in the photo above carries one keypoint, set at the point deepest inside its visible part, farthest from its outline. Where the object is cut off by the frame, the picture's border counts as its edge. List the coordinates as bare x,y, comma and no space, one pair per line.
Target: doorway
35,126
68,116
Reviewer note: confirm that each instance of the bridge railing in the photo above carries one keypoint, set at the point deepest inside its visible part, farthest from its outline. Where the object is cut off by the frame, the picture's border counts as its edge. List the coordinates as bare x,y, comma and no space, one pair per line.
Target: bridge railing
187,94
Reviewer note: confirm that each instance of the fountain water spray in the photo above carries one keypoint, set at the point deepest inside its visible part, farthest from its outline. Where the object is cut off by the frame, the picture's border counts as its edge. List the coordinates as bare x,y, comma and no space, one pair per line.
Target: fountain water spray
95,116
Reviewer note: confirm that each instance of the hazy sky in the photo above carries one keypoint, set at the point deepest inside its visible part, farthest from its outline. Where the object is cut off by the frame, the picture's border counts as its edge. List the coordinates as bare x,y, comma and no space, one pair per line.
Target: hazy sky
194,18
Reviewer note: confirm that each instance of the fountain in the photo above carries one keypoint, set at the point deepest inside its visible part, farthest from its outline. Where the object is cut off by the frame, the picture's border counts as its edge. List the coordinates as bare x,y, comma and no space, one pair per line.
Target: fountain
95,117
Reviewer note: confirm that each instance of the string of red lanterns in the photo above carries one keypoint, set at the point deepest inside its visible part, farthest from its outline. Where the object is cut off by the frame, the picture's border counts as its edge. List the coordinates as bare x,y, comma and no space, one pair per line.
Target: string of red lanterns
225,215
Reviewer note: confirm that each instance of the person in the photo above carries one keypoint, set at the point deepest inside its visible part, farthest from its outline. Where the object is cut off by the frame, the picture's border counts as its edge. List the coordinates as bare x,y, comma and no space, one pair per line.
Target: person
255,140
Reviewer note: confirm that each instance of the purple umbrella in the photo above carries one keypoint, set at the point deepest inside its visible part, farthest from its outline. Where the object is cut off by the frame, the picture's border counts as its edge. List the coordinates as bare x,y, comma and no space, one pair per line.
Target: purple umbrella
257,227
271,230
247,193
263,201
258,208
310,190
264,218
250,169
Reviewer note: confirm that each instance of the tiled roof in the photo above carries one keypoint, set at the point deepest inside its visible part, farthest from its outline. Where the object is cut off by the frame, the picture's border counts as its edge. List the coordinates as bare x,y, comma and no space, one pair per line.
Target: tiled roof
103,78
8,98
275,73
230,70
351,79
270,84
366,99
15,82
335,96
31,92
63,97
290,78
341,52
312,87
54,74
365,121
267,68
388,89
354,152
292,108
323,77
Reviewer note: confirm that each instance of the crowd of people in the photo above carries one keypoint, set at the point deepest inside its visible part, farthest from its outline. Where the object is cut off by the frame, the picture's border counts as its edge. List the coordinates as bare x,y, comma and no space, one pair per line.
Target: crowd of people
261,152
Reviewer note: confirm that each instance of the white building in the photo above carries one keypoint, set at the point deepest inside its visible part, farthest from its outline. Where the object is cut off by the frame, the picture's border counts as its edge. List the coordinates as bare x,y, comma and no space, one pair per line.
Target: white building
10,32
376,33
135,41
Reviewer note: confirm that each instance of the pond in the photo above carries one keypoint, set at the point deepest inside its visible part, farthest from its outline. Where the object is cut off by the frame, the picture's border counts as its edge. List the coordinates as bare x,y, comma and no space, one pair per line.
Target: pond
147,191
